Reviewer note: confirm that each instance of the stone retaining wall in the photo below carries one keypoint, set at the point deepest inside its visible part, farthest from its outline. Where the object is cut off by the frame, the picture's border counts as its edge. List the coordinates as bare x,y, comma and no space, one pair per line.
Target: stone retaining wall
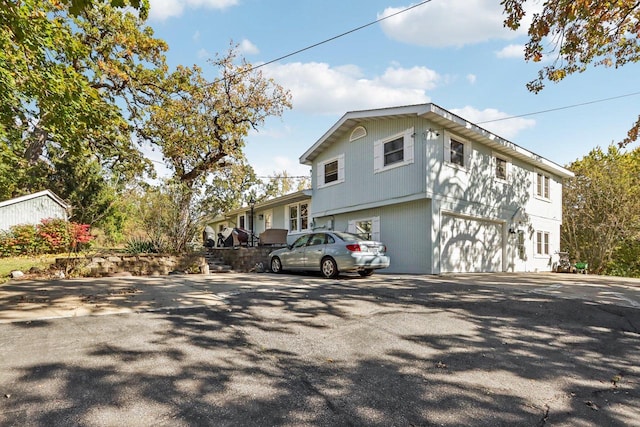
243,259
137,265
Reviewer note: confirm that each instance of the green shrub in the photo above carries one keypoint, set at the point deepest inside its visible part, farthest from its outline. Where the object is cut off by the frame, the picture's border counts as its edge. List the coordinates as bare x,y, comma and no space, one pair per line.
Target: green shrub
138,245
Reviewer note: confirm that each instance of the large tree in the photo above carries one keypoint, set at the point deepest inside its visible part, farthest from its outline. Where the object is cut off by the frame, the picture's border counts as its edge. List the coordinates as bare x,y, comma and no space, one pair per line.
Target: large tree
579,33
601,207
74,86
201,127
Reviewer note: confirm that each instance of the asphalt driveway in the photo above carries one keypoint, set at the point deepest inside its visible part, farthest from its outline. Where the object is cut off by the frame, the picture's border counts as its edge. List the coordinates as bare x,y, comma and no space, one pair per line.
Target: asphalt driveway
244,349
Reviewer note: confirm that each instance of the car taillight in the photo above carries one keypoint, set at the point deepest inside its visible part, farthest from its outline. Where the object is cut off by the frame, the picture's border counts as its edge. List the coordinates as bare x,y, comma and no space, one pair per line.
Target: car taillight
354,248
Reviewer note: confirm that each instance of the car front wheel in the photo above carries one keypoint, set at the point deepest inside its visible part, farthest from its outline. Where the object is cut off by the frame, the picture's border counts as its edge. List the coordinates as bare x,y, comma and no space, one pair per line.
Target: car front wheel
329,268
276,265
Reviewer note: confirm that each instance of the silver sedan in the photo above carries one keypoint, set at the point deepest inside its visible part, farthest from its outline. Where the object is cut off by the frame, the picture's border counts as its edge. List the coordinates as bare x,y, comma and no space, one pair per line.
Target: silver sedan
331,252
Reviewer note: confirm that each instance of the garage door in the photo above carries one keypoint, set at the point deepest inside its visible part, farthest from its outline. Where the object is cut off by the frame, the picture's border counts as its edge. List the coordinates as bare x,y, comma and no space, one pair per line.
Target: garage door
470,245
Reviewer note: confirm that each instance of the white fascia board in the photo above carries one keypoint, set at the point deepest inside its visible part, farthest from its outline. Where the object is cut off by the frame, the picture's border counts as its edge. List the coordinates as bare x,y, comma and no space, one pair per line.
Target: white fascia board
48,193
418,110
504,145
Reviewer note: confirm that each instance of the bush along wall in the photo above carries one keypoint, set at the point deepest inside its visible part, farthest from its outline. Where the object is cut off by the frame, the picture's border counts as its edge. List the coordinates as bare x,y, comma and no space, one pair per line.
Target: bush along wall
51,236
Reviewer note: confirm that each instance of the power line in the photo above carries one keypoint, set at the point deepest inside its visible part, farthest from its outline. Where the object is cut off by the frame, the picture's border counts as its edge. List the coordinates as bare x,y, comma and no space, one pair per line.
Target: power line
340,35
566,107
330,39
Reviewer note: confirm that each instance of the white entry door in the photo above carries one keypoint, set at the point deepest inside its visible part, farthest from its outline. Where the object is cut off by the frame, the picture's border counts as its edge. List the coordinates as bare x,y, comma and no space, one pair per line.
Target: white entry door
470,245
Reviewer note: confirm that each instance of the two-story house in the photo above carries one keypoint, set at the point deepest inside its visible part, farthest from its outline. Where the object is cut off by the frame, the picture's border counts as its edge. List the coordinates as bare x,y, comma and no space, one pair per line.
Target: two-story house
442,193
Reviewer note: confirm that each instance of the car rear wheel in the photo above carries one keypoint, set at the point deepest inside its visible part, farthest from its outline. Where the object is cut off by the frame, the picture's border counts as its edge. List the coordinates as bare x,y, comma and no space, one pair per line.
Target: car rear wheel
329,268
366,272
276,265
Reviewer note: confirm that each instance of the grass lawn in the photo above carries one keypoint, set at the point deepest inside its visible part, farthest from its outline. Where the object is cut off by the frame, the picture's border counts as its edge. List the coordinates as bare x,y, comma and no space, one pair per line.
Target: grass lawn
24,263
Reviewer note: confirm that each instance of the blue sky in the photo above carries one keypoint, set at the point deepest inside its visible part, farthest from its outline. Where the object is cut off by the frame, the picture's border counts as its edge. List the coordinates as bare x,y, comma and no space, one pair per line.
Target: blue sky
454,53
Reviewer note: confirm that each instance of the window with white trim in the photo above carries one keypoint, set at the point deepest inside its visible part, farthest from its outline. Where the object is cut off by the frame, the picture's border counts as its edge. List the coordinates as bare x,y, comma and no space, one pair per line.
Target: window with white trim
298,216
396,150
331,171
368,228
457,152
268,220
543,184
542,243
241,221
501,167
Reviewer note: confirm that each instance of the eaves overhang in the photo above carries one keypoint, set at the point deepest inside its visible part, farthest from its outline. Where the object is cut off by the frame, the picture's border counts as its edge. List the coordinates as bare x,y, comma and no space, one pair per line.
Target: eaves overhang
445,121
298,196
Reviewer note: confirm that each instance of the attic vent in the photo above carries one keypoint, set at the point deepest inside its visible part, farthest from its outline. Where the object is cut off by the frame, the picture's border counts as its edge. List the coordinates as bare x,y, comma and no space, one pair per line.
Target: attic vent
358,133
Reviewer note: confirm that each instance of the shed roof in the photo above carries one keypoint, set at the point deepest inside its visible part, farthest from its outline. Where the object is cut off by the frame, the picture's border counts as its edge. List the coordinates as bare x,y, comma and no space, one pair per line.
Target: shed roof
440,117
266,204
48,193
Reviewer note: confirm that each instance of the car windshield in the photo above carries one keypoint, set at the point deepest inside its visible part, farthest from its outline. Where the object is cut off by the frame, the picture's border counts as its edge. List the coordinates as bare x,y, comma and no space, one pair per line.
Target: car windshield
349,237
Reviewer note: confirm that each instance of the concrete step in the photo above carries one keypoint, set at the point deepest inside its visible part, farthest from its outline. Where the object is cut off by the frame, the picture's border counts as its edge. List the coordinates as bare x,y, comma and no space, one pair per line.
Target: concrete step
216,265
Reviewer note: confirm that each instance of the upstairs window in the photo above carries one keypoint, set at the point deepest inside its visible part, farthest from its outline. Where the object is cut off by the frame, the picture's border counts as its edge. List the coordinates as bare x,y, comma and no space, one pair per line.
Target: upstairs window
331,171
501,166
457,153
394,151
543,183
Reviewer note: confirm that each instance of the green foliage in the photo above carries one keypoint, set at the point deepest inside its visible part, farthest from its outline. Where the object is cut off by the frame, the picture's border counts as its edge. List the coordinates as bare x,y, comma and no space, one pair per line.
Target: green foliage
576,34
138,245
72,84
601,210
201,133
625,260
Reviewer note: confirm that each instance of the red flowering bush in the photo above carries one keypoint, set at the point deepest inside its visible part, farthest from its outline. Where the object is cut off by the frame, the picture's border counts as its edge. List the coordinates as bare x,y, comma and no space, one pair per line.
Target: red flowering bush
50,236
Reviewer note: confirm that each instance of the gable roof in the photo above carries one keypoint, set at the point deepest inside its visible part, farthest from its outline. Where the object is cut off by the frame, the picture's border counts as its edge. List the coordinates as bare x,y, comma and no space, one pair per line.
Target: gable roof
48,193
440,117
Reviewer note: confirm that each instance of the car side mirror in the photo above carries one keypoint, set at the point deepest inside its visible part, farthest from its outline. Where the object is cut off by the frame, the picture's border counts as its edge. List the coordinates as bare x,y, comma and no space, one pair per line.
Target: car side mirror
289,247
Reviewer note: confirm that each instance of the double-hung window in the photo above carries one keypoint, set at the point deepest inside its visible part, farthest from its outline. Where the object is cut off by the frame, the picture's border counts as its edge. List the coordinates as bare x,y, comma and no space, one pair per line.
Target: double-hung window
457,152
331,171
543,183
501,166
393,151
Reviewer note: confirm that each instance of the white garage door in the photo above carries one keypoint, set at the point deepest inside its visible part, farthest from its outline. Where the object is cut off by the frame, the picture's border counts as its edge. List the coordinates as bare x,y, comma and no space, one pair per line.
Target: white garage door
470,245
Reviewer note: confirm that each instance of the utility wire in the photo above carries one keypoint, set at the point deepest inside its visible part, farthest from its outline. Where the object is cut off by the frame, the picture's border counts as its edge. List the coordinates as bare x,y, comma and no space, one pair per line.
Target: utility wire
566,107
340,35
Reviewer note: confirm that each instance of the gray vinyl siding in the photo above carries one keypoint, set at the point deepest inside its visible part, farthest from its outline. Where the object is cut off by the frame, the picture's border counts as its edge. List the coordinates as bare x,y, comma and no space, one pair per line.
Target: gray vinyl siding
30,211
405,229
363,186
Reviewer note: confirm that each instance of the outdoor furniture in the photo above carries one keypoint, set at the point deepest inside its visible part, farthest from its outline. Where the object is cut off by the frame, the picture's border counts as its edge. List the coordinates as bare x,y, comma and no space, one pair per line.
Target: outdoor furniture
273,236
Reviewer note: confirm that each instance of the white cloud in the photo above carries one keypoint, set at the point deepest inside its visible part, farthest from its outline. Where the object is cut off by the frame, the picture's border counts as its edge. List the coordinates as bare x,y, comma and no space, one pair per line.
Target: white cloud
471,78
511,51
451,23
196,36
164,9
248,48
320,88
504,128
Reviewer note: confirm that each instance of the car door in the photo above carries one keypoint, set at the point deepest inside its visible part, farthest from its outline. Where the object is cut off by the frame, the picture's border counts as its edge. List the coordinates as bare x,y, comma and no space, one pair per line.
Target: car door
315,251
294,258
